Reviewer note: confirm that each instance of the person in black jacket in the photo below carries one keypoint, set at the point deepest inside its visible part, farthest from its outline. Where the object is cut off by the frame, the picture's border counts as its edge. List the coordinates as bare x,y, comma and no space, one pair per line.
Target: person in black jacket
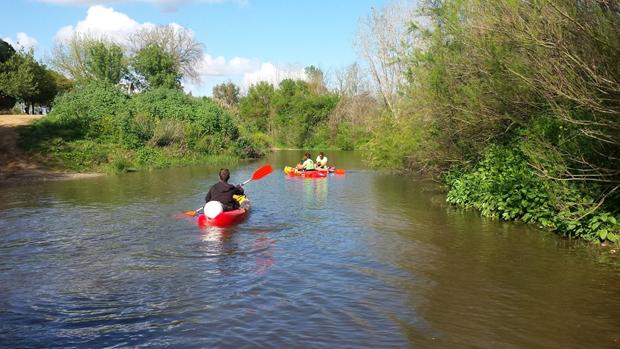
223,192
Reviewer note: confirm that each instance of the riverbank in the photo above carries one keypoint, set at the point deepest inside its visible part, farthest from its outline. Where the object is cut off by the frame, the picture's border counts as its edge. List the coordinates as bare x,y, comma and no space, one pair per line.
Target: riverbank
16,165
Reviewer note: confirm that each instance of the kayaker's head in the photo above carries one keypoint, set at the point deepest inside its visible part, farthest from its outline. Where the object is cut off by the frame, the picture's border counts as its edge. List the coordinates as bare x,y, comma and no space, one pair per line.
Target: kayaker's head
224,175
321,155
306,156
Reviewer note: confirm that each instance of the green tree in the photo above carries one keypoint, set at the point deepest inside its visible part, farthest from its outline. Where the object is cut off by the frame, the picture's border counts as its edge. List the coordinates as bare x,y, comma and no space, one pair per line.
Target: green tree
6,52
226,93
255,108
157,68
70,57
105,62
28,81
21,78
63,84
316,80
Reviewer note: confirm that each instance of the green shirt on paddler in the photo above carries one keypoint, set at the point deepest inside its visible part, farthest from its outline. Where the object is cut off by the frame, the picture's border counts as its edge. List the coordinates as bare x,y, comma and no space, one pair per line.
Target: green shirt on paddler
308,165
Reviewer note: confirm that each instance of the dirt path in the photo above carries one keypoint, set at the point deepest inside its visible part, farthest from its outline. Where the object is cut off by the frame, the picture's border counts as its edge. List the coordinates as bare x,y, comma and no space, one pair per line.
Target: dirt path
15,165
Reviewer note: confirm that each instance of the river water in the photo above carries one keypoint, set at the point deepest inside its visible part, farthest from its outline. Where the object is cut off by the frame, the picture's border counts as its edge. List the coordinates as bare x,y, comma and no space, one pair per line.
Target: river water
363,260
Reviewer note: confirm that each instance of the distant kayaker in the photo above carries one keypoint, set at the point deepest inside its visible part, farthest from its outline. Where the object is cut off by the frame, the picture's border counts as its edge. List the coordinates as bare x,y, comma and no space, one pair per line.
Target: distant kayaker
307,163
321,162
223,192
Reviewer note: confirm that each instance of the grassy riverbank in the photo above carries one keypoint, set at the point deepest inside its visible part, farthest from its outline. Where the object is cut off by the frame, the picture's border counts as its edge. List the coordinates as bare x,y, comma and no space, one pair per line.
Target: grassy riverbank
97,127
17,166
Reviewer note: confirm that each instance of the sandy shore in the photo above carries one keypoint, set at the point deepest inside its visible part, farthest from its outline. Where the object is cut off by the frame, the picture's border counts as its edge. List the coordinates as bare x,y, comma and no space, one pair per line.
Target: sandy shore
16,165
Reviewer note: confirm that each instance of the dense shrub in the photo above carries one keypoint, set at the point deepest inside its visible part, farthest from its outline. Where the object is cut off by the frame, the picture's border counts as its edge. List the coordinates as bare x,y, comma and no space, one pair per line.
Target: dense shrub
167,132
91,125
522,98
503,185
296,113
89,103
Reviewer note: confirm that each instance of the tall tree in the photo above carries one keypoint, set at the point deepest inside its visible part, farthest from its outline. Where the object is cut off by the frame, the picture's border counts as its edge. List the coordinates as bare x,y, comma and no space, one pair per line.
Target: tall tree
87,58
157,67
175,41
226,93
6,52
382,39
316,79
105,62
47,88
63,84
351,81
28,81
70,57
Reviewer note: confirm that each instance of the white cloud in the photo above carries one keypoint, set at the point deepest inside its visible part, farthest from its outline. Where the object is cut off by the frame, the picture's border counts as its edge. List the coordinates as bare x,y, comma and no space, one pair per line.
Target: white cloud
165,4
105,22
218,66
273,74
22,41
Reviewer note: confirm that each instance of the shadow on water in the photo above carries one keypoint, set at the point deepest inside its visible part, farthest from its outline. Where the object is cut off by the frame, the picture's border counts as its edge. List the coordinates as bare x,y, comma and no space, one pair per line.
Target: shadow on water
362,260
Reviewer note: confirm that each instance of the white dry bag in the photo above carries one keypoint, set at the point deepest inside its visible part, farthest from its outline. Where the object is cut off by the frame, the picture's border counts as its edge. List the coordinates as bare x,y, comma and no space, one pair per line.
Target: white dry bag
213,209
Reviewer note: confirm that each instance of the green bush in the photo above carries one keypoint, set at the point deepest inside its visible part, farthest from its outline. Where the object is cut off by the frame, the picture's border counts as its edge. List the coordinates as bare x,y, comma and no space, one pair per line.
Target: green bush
503,185
81,155
146,155
119,163
88,103
163,103
167,132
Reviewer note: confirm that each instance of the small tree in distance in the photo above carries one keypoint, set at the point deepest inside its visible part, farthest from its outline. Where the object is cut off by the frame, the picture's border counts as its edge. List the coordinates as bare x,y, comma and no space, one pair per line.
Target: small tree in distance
226,93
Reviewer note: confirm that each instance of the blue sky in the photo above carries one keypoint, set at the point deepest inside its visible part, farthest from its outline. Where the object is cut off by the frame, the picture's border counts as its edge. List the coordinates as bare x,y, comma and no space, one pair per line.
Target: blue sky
244,40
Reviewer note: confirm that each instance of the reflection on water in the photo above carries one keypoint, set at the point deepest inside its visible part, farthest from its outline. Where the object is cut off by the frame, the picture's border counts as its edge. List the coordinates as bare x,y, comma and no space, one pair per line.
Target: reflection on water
361,260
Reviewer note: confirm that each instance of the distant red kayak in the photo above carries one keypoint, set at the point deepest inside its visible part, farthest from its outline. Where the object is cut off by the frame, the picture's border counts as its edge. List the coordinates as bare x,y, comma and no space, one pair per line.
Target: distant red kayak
226,218
291,172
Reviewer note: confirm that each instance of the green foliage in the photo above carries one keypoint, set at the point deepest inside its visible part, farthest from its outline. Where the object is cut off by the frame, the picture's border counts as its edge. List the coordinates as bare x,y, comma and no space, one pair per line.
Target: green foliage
503,185
98,127
83,109
293,114
120,163
393,143
62,83
157,67
521,98
105,62
167,132
6,51
21,77
351,137
226,93
255,108
24,79
79,155
164,103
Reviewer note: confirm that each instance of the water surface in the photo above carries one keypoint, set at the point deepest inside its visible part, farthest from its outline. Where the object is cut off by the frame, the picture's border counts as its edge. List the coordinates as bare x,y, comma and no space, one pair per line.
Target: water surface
364,260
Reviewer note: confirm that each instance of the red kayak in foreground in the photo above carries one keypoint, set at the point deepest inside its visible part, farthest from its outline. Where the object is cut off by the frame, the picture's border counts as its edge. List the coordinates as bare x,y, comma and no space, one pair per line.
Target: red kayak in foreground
226,218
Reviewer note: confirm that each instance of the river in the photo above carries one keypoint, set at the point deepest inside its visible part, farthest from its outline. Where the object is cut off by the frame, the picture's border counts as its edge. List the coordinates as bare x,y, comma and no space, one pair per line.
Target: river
365,260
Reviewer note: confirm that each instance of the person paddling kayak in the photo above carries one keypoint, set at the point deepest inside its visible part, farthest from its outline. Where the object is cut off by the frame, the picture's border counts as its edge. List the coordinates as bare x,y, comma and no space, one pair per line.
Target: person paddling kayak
307,163
223,192
321,162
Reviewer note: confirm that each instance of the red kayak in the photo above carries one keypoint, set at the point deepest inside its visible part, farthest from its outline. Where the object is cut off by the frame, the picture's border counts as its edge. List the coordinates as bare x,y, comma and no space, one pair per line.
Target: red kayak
291,172
226,218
